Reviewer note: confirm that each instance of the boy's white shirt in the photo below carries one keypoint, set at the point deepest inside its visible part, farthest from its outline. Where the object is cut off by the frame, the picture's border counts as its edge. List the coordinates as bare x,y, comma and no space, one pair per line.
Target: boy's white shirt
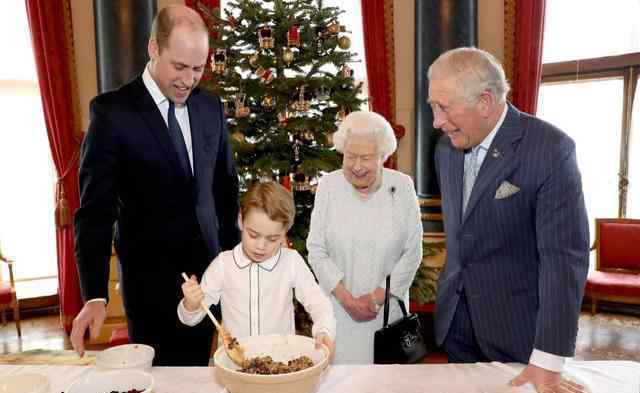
256,298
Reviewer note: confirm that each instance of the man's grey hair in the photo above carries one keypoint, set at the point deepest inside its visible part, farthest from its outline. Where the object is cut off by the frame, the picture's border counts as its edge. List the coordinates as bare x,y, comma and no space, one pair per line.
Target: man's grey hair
474,70
367,124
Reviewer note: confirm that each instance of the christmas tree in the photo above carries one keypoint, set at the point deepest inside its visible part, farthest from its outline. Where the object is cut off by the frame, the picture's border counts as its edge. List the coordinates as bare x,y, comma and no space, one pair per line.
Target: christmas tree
281,70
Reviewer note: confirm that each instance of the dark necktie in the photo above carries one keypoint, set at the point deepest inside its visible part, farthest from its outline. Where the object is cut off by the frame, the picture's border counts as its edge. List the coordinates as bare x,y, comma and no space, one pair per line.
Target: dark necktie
178,140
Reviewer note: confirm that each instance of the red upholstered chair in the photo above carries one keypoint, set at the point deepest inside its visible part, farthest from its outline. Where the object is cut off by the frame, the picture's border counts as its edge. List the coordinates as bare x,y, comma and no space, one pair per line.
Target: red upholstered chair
8,298
617,274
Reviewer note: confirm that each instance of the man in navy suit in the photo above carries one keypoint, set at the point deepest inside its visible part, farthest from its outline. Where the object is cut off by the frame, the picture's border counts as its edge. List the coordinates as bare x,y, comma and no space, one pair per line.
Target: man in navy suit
515,222
156,161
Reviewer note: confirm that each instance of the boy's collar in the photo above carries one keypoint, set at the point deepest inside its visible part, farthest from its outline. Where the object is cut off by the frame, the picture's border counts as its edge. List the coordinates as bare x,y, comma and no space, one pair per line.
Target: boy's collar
242,261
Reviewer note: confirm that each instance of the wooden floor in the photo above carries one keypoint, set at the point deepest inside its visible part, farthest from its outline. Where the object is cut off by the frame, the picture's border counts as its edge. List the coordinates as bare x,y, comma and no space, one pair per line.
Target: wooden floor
606,336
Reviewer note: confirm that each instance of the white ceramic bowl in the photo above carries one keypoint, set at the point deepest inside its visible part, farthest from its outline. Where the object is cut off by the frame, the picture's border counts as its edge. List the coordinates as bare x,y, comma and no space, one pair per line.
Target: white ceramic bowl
112,380
24,383
281,348
128,356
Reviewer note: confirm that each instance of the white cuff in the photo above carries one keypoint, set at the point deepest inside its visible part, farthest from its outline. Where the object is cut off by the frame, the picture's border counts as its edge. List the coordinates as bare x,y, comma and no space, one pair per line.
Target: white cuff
98,299
547,360
189,318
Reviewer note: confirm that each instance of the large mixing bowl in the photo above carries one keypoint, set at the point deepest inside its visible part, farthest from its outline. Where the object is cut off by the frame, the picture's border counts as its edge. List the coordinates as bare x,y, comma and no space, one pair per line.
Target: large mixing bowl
281,348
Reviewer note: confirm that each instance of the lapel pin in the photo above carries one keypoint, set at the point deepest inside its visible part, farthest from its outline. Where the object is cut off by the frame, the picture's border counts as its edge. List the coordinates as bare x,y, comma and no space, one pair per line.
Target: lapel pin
495,153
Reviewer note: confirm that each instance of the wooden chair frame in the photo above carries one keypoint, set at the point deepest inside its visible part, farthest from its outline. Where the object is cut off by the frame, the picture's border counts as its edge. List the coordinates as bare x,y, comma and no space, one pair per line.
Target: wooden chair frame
15,304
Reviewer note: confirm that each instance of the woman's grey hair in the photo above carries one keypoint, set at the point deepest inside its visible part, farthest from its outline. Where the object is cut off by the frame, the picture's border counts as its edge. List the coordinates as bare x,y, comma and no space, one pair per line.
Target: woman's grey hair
367,124
475,71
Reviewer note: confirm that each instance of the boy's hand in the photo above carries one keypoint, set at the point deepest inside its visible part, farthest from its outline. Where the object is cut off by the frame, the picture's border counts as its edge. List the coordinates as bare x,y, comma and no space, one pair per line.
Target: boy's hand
323,338
193,295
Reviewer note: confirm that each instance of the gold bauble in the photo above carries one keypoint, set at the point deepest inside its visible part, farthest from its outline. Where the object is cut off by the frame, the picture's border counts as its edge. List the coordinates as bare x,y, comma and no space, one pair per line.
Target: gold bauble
344,42
253,60
238,136
287,55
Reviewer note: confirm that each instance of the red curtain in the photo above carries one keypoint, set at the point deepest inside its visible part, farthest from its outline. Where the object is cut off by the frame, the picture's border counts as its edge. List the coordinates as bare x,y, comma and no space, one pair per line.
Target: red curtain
50,25
523,46
377,25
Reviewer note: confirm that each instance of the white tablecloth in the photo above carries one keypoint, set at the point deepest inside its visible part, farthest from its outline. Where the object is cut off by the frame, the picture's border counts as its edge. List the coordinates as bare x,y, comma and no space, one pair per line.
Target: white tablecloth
599,377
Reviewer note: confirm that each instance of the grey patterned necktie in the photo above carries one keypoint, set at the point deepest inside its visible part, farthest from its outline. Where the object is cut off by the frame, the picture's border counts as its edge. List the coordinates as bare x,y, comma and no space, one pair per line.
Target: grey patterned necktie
178,140
470,173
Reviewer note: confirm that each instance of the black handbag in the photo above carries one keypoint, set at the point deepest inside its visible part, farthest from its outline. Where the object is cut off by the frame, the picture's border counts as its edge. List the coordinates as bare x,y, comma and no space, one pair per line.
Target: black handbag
400,342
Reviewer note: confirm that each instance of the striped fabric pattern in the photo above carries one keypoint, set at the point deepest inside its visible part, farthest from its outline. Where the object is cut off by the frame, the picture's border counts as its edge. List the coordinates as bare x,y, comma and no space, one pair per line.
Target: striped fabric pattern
521,260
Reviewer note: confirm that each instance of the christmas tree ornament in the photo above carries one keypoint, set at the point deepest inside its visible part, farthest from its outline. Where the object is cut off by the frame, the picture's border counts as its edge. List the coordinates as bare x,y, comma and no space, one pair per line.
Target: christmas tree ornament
296,151
253,60
268,102
238,136
265,38
346,71
219,59
283,117
308,136
293,36
287,56
225,107
323,94
329,139
344,42
265,74
301,182
241,110
334,28
301,105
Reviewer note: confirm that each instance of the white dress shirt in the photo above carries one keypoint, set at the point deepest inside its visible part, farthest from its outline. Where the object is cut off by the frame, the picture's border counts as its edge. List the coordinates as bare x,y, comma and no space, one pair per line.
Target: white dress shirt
257,298
182,112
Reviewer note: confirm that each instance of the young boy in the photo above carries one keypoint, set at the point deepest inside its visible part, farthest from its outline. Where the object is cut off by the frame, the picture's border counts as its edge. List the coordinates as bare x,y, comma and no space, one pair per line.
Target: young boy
254,282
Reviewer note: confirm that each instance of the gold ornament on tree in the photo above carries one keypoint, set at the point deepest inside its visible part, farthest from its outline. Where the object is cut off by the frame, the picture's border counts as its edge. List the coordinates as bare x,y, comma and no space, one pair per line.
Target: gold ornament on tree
268,102
287,56
301,105
253,60
238,136
344,42
265,38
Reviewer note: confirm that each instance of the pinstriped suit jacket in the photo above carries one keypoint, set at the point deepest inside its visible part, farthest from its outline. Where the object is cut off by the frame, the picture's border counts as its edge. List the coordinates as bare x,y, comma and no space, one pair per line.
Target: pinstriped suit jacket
522,260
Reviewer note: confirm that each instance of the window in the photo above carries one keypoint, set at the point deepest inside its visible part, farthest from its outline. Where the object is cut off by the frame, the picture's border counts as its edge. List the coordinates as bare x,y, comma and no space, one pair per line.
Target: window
591,62
27,231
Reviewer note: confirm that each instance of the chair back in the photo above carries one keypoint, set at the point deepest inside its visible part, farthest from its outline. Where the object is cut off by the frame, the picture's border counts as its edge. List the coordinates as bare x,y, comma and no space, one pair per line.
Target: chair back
617,244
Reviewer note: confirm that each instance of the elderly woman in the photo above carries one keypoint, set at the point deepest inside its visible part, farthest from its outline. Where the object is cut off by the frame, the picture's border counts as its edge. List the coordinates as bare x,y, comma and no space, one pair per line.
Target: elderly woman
365,225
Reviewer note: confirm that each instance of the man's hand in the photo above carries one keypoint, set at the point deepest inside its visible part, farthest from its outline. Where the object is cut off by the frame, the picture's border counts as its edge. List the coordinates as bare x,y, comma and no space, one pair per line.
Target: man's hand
91,317
193,295
323,338
546,381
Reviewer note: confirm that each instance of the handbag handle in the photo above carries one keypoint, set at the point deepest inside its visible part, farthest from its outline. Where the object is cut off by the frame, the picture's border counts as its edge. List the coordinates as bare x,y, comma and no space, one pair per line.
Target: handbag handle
386,303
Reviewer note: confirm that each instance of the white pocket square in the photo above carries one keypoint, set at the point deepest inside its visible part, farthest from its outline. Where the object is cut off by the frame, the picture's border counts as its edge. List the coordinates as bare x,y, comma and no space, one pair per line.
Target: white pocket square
505,190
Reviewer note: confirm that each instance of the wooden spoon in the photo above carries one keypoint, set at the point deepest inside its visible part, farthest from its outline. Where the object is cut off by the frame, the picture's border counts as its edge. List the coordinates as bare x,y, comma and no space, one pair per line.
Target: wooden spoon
231,346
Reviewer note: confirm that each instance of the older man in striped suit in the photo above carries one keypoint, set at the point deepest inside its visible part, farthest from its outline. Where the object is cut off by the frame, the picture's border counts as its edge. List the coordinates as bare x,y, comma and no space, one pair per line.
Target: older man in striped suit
516,225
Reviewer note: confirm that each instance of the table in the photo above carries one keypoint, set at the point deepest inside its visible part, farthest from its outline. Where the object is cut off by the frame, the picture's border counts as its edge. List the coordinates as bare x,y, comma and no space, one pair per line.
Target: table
599,376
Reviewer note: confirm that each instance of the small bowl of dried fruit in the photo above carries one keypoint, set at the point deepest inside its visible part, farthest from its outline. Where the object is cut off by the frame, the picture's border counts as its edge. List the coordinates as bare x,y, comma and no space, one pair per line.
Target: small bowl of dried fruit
119,381
274,363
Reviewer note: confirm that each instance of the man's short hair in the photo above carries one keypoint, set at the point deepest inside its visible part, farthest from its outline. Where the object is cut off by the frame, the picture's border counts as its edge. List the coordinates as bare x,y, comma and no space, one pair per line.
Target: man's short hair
474,70
168,18
272,198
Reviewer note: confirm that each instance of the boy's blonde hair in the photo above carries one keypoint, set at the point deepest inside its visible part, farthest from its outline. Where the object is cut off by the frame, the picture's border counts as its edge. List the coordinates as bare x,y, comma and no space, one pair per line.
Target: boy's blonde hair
273,199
